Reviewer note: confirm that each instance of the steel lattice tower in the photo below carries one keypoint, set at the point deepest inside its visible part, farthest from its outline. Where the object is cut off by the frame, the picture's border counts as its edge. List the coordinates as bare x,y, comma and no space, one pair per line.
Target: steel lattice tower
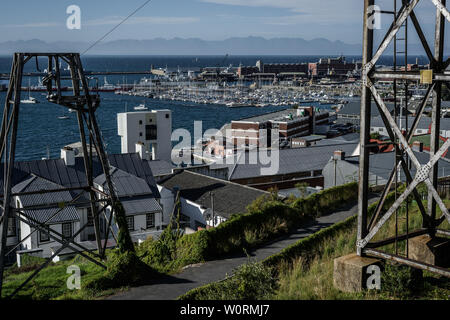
85,105
425,174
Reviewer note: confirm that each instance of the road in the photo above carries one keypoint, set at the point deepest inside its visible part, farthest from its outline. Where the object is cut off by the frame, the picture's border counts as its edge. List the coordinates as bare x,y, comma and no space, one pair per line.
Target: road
171,287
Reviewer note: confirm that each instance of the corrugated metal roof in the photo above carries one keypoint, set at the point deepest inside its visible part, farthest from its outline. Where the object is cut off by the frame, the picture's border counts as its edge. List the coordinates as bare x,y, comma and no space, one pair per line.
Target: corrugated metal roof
35,183
354,108
67,214
132,163
125,184
291,160
424,123
56,171
229,198
381,164
141,206
160,167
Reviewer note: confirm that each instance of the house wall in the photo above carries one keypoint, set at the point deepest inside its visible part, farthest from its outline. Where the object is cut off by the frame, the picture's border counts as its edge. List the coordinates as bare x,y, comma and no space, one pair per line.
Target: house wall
189,208
35,243
89,230
167,203
194,211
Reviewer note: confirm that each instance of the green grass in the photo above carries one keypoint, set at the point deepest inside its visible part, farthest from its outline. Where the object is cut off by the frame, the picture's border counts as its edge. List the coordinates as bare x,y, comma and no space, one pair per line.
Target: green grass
304,270
313,279
50,283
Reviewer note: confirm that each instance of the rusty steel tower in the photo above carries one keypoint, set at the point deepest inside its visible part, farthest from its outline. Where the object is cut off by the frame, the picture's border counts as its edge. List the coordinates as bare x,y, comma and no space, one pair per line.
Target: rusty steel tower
434,78
85,105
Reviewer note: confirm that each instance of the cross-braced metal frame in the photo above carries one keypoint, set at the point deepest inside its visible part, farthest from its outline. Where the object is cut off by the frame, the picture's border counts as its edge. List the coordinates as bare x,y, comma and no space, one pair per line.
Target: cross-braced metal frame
428,173
85,106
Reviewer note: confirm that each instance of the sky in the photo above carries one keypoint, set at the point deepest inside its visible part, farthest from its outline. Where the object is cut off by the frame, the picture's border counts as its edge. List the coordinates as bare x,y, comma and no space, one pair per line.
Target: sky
205,19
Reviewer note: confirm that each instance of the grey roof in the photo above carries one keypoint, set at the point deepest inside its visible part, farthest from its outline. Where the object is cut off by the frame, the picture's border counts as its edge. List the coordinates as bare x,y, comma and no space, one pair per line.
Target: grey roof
56,171
292,160
344,139
276,116
132,163
229,198
125,184
311,138
141,206
131,176
381,164
354,108
67,214
161,167
424,122
35,183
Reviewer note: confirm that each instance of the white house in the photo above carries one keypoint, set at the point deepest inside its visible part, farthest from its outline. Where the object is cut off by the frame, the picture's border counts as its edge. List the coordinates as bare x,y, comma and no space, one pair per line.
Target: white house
38,204
204,200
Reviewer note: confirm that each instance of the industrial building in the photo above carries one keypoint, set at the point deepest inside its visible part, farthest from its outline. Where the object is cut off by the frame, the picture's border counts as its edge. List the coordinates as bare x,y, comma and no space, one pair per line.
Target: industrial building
290,167
256,131
334,67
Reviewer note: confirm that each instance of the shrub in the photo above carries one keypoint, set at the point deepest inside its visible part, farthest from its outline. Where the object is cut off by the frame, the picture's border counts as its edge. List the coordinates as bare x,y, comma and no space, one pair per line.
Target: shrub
124,241
251,281
302,188
123,269
400,280
266,219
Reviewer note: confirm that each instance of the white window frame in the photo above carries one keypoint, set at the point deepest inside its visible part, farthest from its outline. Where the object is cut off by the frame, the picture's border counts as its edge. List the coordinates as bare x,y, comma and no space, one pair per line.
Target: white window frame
71,229
130,226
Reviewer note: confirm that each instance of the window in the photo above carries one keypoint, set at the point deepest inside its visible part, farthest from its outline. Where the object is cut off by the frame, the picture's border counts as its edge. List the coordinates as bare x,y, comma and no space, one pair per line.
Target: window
67,230
140,134
167,116
90,217
130,222
12,231
44,235
150,219
140,121
150,132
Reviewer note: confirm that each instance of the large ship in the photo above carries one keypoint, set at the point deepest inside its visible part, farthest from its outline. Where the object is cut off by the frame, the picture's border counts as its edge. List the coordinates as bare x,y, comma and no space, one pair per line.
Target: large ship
107,87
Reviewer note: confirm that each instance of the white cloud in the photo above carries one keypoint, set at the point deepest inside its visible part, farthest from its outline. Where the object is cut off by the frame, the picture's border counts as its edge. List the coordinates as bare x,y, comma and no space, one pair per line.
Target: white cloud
33,25
114,20
313,11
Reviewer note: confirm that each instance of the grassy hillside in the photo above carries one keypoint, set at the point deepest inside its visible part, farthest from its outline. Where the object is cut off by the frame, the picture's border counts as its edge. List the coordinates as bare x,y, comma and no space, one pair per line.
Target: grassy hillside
304,271
265,219
314,279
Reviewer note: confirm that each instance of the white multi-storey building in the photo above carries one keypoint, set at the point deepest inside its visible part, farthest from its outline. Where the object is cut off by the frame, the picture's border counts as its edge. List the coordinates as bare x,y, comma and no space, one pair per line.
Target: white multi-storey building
152,129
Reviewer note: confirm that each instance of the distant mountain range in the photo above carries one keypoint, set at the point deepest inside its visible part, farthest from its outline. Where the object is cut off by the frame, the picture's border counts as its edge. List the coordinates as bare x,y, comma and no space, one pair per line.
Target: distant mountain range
195,46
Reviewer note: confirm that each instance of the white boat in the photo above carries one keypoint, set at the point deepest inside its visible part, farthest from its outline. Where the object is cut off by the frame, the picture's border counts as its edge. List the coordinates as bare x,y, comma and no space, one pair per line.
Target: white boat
72,110
141,107
63,117
236,105
30,98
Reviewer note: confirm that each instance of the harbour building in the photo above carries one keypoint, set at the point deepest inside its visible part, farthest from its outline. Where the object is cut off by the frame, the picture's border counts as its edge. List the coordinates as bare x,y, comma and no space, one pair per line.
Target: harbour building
256,131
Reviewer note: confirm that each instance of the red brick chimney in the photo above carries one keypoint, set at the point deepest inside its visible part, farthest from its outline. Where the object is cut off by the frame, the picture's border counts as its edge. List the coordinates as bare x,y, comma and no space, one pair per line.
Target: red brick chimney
339,155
